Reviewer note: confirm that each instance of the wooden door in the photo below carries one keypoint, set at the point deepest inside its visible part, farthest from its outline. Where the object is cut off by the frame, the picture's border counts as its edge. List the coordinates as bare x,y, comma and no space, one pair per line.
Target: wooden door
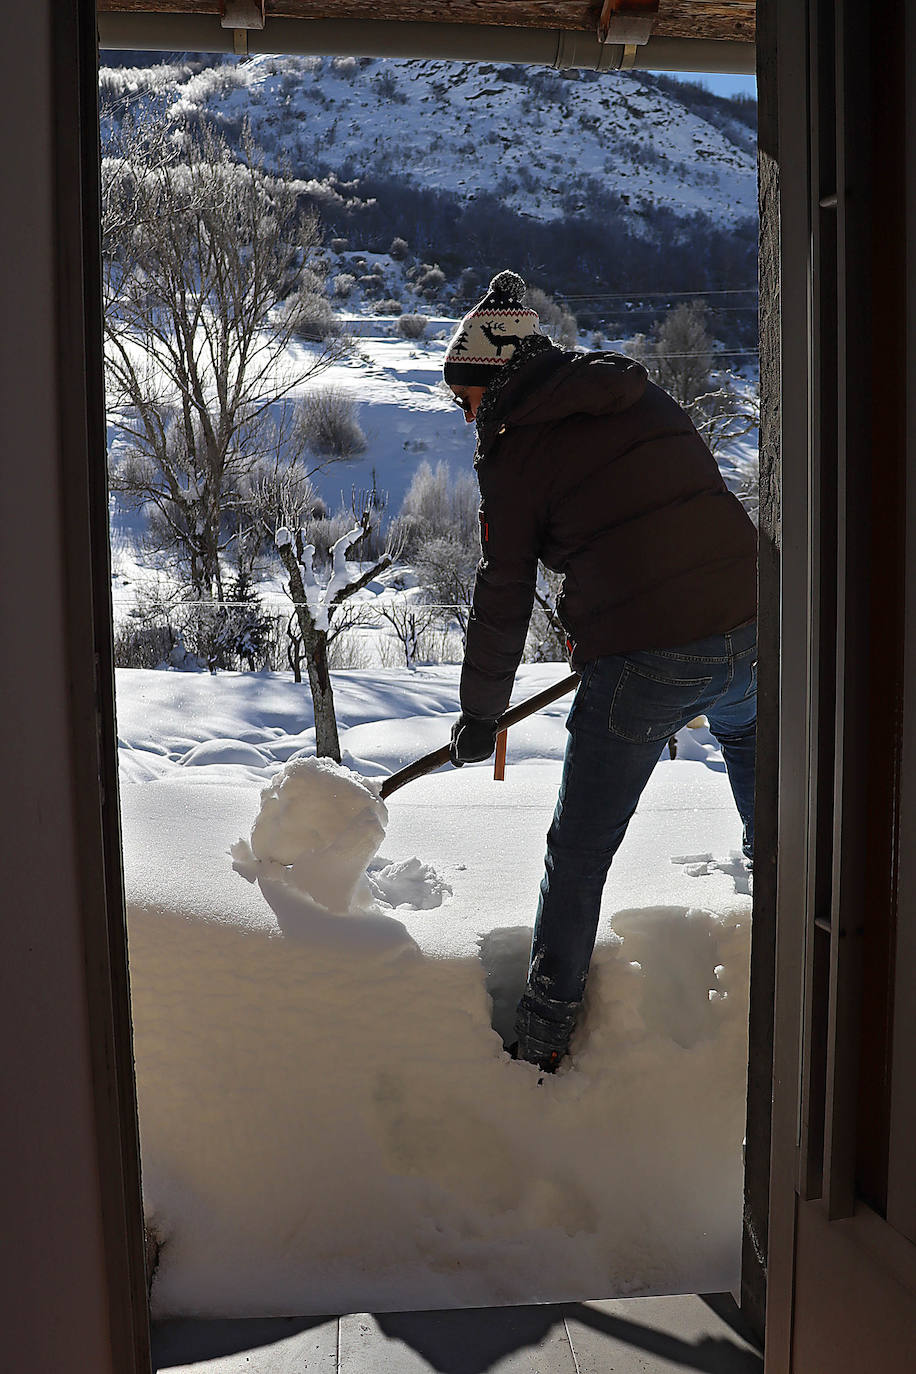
838,154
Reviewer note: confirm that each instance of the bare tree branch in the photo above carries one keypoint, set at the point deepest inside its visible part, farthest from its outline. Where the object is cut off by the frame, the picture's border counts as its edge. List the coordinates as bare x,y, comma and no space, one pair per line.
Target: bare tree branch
203,252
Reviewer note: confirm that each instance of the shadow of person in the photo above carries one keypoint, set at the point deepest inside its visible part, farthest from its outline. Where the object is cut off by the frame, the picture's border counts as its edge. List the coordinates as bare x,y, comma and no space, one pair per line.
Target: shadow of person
708,1354
504,955
471,1341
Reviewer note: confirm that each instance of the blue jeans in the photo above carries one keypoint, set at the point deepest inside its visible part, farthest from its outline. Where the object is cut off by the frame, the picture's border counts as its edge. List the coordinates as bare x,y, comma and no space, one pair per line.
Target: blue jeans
625,709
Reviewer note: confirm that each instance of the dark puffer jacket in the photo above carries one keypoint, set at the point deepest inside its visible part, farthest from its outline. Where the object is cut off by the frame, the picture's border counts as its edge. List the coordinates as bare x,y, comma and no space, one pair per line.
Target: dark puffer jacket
589,466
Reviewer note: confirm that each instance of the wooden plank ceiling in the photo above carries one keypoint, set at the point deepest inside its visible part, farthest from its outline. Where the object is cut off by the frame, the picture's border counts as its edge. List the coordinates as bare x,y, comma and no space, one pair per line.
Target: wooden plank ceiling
727,19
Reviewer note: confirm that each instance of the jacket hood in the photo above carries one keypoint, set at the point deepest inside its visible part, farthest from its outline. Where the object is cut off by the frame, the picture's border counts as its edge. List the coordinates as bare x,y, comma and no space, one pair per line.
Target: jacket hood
558,384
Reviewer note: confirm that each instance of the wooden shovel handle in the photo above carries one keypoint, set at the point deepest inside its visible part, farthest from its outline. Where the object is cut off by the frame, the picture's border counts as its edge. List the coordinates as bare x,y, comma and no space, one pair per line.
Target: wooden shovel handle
429,762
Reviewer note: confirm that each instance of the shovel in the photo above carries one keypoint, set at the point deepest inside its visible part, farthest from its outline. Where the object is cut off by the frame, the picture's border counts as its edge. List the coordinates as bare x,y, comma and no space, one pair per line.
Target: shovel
429,762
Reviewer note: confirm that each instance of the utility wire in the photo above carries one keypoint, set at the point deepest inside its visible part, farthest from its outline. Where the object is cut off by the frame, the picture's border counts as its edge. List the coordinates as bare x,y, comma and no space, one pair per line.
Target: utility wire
288,604
644,295
716,309
726,353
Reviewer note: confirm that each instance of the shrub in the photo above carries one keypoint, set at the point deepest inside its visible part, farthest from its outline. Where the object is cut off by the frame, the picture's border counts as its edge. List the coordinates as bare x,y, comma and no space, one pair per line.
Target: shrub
437,505
312,312
431,281
398,249
386,308
330,424
344,283
143,646
346,67
412,326
470,285
557,321
447,568
387,88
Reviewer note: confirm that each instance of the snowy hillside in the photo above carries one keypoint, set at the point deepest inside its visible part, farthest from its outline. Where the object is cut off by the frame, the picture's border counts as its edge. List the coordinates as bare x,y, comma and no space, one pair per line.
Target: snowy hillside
528,136
587,183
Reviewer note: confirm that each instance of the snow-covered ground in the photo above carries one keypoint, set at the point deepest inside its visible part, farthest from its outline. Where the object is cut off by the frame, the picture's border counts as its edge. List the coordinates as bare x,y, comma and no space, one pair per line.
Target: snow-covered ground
328,1119
408,418
322,985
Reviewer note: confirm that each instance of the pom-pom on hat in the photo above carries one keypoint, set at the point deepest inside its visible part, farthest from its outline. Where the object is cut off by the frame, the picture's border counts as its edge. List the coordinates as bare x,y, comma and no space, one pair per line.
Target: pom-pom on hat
490,333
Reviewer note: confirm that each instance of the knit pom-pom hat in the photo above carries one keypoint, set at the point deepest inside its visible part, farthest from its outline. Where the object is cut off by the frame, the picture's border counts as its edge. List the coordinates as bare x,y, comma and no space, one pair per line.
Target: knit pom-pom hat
490,333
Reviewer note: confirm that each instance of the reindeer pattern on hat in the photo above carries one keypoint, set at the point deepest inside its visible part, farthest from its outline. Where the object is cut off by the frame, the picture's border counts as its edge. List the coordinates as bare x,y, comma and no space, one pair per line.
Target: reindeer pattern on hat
500,340
491,332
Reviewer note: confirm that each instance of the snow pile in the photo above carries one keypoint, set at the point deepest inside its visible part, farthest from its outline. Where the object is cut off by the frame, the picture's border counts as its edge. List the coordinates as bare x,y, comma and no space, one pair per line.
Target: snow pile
318,827
409,883
328,1118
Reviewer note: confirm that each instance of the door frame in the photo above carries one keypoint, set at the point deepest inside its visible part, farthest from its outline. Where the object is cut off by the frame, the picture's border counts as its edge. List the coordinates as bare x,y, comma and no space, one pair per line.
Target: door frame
837,135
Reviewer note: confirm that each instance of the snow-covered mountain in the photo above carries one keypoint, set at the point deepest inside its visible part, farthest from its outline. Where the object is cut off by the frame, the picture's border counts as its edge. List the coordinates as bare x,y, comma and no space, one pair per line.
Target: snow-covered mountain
625,193
529,136
620,182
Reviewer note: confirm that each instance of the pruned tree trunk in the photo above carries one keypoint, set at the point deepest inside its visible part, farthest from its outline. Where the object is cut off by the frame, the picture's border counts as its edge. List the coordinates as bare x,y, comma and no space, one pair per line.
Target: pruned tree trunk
315,606
327,742
294,651
315,647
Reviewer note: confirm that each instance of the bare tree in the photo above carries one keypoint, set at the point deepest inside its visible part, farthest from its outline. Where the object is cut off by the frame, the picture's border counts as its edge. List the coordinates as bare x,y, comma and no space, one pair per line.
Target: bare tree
208,272
725,414
316,606
546,634
410,622
437,505
678,353
680,356
557,321
682,352
447,568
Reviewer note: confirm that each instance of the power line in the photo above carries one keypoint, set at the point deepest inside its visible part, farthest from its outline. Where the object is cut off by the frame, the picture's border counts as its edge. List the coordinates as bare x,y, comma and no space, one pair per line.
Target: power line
289,605
661,295
718,309
725,353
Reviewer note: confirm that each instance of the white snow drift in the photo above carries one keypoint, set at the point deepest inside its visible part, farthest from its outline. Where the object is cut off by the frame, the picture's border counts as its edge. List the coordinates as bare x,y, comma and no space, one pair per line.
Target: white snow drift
328,1119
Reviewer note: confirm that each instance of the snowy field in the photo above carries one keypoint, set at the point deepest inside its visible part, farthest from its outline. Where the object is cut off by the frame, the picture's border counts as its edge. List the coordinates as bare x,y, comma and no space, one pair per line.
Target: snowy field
408,417
328,1119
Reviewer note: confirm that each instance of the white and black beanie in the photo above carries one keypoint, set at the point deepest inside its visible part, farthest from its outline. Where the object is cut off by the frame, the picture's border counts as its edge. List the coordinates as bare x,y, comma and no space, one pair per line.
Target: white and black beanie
490,333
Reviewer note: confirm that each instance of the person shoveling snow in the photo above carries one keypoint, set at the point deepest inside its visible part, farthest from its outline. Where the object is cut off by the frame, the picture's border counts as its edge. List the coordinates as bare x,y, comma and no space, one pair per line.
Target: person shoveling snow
587,465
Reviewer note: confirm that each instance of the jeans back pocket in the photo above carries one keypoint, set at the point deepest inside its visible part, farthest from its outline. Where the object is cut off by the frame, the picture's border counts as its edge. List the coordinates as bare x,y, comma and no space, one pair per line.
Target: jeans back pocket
651,706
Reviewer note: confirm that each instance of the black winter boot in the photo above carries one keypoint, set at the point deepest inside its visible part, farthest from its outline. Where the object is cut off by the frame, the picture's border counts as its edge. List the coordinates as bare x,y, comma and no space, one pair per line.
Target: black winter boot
544,1027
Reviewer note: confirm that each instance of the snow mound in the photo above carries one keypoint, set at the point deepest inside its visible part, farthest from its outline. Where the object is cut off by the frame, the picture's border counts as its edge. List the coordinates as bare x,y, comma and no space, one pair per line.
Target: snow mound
222,751
317,830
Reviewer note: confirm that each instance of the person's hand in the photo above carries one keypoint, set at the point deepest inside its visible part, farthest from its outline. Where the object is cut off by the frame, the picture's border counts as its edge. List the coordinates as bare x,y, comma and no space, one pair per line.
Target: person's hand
473,739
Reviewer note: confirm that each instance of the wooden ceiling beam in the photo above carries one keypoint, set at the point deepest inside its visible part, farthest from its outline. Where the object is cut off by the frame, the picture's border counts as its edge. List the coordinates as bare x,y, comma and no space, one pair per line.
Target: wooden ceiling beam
627,21
710,19
242,14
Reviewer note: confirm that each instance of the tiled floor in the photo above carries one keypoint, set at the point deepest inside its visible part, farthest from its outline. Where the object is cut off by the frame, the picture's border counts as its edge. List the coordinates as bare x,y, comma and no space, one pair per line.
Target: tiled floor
624,1336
